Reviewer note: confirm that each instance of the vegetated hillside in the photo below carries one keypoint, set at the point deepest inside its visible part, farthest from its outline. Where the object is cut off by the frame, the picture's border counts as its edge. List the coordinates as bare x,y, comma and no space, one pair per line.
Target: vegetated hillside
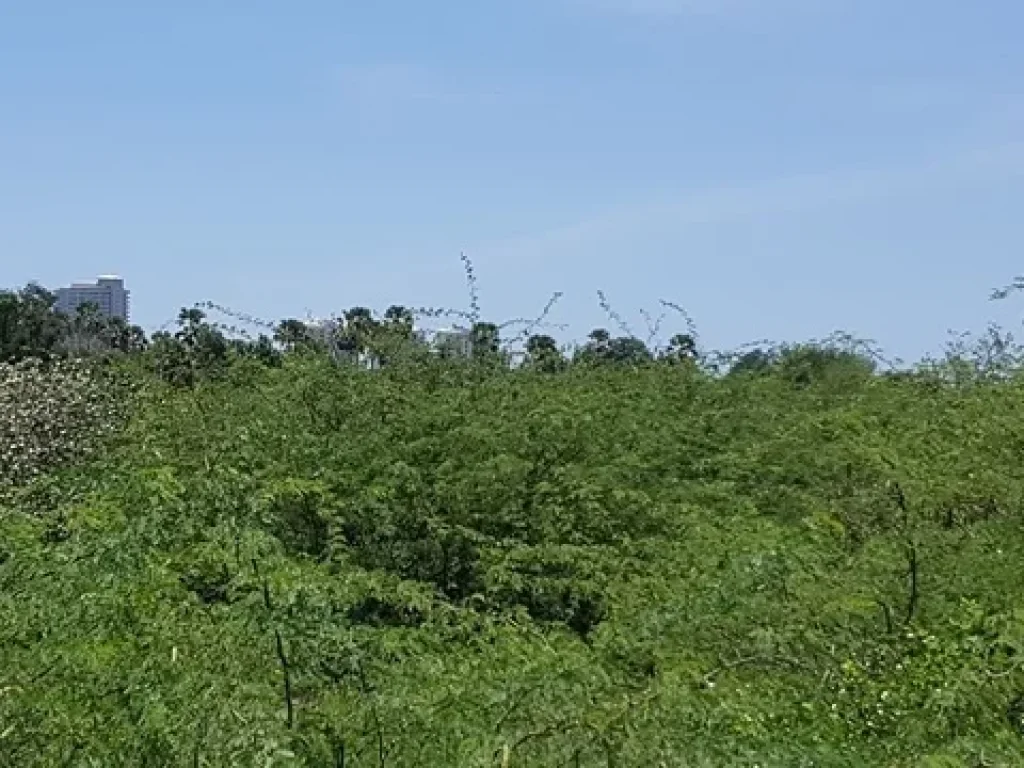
443,564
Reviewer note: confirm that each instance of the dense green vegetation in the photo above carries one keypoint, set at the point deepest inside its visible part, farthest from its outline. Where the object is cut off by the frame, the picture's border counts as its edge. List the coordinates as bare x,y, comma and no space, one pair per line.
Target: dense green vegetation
623,557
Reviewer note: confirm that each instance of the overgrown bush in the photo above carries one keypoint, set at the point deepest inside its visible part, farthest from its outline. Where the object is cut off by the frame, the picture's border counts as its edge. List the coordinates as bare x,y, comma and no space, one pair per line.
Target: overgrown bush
621,559
51,413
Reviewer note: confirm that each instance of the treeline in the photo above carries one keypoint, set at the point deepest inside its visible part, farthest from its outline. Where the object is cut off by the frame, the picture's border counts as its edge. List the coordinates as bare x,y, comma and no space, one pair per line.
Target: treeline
30,328
199,348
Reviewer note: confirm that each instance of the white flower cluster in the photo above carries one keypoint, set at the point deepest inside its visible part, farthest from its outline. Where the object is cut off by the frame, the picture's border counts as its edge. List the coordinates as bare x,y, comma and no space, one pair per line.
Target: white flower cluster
51,413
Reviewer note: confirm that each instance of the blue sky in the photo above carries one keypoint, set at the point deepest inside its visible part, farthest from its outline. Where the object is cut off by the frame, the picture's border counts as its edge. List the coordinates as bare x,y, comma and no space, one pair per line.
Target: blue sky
781,168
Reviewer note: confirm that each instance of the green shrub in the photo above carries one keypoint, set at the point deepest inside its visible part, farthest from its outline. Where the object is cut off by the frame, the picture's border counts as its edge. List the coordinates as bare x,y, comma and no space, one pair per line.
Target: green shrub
51,413
452,564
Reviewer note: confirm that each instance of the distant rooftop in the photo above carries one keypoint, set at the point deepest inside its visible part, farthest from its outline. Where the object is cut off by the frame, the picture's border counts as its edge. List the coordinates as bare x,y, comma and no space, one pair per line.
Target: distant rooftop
93,284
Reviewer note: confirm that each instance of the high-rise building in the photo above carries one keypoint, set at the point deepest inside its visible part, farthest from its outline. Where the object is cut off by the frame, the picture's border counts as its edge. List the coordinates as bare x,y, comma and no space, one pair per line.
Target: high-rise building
108,293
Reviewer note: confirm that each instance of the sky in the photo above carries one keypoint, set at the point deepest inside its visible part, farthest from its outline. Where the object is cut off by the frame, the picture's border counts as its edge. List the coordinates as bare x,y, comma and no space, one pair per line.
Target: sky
781,168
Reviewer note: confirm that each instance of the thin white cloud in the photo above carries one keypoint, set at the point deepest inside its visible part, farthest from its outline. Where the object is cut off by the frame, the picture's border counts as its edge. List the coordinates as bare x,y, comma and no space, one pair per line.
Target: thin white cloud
799,194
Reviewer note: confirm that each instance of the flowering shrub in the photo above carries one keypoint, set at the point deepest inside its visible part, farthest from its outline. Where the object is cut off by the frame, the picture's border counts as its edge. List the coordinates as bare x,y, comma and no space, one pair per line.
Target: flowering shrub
51,413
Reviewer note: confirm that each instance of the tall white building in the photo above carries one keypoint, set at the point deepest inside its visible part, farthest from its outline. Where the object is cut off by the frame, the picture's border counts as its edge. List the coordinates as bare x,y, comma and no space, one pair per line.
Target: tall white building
108,293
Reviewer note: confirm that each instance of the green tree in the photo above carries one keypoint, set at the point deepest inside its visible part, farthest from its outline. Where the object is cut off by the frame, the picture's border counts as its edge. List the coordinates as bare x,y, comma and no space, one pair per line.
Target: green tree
485,341
206,345
399,319
357,335
169,359
806,364
293,335
628,350
754,362
126,338
395,337
601,349
809,364
89,332
261,349
543,354
29,327
682,348
196,351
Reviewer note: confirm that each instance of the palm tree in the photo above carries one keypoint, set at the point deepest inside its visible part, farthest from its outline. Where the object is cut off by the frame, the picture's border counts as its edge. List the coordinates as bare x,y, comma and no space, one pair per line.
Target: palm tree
359,327
485,340
399,318
681,347
542,354
292,334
